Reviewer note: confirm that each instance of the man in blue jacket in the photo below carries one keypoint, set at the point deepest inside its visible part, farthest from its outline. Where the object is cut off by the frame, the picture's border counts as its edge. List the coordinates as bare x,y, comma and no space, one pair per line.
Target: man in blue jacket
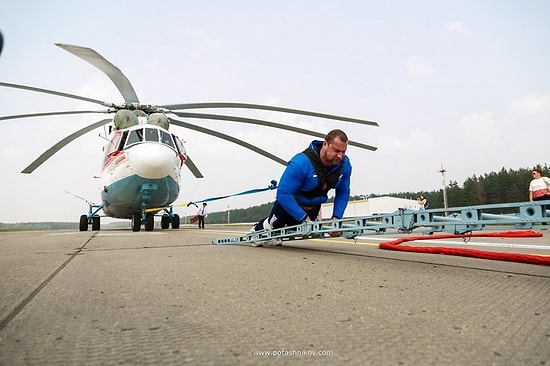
306,181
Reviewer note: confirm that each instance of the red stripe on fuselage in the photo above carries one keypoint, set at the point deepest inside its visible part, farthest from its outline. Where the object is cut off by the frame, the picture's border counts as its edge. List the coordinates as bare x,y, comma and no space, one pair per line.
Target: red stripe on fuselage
116,158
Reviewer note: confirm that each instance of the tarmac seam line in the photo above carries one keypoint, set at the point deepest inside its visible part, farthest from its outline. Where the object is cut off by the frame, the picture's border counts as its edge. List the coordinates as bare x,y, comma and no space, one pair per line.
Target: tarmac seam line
37,290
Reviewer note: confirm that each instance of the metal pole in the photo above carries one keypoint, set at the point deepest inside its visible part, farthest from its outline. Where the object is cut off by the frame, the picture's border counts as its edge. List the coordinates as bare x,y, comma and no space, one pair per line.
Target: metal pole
445,204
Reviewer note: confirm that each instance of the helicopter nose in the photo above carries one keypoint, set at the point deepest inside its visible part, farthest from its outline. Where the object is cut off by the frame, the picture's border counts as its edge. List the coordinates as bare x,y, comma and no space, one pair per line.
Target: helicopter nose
151,160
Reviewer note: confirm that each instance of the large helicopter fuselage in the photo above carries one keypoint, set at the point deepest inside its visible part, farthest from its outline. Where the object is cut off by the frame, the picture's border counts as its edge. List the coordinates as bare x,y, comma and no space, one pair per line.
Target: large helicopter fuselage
141,170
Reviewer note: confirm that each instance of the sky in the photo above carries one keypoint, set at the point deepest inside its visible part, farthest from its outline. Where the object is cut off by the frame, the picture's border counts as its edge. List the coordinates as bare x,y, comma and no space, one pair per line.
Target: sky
462,85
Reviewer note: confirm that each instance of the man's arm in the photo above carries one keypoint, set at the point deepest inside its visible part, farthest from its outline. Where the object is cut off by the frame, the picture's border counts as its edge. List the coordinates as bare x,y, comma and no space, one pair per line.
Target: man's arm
291,182
342,192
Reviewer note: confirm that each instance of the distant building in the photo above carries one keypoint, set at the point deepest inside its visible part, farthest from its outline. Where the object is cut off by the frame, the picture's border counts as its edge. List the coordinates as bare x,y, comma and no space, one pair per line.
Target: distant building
371,206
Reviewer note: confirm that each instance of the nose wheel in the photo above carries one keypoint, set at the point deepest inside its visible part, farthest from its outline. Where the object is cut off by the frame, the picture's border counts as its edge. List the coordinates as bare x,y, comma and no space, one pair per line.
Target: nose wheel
85,221
169,217
92,218
149,222
148,219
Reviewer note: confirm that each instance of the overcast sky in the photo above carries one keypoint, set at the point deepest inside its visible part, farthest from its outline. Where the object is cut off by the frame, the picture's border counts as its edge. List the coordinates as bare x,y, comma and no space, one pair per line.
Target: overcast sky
459,84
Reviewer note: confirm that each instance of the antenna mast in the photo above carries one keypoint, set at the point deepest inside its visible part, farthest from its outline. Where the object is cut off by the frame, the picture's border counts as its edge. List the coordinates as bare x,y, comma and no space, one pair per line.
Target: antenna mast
445,204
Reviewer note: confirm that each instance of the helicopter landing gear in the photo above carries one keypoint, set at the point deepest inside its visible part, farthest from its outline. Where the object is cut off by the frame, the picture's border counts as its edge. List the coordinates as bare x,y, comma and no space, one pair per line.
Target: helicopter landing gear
176,221
148,219
91,218
169,217
136,222
165,221
95,223
84,222
149,222
83,225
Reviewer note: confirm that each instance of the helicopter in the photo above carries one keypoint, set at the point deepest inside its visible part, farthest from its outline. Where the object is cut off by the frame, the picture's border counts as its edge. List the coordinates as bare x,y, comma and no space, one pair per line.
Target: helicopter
141,169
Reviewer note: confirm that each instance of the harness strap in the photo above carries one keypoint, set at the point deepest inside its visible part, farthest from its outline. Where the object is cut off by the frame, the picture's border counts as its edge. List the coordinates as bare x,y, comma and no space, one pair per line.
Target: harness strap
325,181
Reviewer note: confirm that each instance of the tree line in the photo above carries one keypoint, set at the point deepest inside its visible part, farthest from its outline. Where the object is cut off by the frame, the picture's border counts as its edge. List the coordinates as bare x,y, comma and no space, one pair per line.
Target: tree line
23,226
505,186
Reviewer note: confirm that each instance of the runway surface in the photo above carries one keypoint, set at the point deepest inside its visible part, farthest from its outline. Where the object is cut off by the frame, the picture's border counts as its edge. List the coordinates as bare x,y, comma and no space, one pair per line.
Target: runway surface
170,297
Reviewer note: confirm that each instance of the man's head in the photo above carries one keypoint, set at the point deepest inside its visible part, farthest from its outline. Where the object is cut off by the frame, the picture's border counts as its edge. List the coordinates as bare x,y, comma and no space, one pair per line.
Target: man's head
334,148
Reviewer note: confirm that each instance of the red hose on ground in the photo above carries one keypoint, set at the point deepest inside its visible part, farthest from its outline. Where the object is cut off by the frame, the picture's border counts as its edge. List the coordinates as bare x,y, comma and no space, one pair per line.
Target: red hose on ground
510,257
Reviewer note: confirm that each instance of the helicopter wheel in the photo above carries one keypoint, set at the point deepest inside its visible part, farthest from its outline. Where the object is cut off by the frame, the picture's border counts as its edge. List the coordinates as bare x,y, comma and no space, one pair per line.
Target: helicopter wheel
95,223
165,222
176,221
136,222
83,226
149,222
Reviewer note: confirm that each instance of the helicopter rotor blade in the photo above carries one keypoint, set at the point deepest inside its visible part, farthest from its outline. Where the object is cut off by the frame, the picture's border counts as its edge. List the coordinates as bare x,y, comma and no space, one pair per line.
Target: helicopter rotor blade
228,138
48,91
55,148
193,168
266,123
15,116
269,108
117,77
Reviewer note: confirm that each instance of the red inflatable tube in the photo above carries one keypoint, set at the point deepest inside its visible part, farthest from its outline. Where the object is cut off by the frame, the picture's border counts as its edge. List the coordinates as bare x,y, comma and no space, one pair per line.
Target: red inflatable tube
502,256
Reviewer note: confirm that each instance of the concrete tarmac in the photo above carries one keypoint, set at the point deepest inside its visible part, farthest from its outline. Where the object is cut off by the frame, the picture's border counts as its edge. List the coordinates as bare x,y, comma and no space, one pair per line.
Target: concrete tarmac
170,297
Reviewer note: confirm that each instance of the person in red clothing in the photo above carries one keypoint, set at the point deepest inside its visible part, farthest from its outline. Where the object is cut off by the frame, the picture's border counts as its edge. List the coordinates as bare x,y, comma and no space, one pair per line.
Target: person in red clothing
539,188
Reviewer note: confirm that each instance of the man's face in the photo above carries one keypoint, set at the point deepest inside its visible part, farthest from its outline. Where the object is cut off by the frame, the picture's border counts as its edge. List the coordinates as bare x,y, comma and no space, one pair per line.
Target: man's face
332,153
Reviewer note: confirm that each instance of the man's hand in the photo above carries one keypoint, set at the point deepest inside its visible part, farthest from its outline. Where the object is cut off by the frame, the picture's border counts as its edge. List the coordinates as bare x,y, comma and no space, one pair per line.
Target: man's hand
334,234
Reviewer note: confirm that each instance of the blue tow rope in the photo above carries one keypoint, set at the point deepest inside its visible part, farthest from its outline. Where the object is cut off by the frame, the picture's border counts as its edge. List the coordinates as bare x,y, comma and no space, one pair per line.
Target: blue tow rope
273,185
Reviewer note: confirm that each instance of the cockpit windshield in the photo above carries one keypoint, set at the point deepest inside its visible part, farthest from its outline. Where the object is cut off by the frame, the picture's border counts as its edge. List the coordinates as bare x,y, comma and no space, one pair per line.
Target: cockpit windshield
148,134
134,137
166,138
151,134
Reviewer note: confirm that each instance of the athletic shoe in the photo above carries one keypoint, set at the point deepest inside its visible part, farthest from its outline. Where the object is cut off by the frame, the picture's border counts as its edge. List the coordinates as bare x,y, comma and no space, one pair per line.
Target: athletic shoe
276,242
254,242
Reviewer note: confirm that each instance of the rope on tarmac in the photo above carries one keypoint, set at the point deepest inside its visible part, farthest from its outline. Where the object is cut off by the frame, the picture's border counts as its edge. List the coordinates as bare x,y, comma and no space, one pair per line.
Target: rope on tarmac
272,185
510,257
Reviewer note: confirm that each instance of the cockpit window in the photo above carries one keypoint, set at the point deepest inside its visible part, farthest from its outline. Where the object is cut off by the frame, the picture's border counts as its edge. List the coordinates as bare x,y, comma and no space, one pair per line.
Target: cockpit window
113,144
152,134
134,137
166,138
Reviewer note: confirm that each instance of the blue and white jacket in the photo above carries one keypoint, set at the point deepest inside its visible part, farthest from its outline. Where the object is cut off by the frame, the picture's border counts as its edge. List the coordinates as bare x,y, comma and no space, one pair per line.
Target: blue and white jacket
300,177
